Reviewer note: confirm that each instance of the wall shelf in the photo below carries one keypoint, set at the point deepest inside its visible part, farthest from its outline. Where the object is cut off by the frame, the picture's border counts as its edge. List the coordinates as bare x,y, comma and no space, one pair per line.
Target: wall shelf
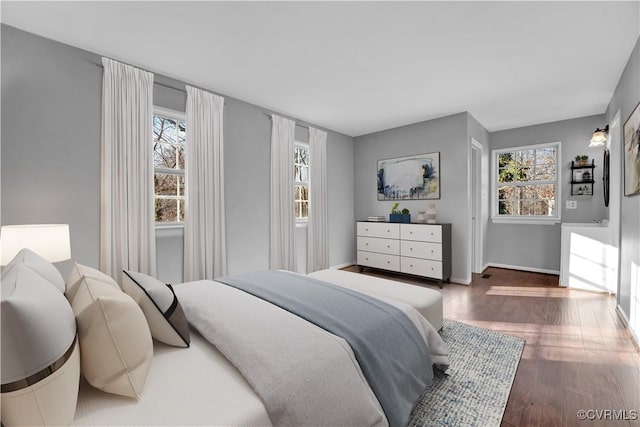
582,178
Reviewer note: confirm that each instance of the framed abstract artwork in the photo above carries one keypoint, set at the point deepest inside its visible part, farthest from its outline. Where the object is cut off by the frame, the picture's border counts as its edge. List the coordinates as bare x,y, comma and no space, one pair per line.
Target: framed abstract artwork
632,153
409,178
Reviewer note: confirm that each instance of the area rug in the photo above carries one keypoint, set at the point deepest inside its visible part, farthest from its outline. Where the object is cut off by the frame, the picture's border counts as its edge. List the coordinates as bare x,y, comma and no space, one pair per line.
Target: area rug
475,389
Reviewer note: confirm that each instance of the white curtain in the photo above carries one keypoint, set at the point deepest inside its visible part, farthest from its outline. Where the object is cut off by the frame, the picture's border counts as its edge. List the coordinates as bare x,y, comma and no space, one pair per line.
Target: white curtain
282,218
205,252
317,238
127,222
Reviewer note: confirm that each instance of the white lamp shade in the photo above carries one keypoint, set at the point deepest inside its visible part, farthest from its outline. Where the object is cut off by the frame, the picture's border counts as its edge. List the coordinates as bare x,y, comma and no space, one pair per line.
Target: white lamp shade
50,241
599,138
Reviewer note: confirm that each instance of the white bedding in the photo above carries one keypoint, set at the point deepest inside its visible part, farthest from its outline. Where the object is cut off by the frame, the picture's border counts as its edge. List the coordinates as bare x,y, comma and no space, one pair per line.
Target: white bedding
427,302
186,386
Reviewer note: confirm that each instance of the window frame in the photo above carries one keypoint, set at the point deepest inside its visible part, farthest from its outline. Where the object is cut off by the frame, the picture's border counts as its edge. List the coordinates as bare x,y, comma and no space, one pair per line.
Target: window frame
527,219
173,228
302,222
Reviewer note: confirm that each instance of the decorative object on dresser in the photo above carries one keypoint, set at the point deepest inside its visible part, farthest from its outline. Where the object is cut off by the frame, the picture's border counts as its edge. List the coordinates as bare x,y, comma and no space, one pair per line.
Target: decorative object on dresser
380,218
398,215
418,249
409,178
431,214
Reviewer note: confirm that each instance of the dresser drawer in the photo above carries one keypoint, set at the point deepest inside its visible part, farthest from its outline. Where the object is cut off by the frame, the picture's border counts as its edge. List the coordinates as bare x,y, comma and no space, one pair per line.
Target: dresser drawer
421,267
426,250
385,230
422,233
376,244
376,260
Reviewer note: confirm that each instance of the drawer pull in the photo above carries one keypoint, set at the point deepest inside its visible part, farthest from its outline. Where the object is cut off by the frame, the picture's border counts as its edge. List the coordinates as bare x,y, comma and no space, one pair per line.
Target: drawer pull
411,232
410,249
410,265
367,259
388,231
431,250
431,268
388,262
366,244
388,246
431,234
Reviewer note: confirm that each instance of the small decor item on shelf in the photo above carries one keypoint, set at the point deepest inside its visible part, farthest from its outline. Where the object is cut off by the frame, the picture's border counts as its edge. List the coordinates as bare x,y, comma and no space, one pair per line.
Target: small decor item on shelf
421,218
586,176
431,213
578,176
398,215
582,159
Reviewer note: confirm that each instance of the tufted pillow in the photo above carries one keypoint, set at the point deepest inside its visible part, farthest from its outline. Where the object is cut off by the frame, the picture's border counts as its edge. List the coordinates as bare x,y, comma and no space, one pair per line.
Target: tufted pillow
115,343
161,307
40,265
78,272
40,356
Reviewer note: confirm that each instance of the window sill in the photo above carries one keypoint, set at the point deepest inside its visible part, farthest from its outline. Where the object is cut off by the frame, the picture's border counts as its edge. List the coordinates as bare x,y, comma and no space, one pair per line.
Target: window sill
524,220
169,230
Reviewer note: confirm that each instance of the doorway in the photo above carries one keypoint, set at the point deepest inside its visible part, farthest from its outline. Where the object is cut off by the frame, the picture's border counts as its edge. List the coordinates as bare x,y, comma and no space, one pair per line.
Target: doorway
477,222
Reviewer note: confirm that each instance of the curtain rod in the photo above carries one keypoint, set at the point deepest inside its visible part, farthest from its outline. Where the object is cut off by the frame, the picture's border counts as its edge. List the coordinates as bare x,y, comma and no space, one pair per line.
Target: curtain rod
166,85
300,126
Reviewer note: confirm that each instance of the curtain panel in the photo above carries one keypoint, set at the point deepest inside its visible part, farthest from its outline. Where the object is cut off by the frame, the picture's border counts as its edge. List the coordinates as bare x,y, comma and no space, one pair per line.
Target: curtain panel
127,222
317,237
205,252
282,217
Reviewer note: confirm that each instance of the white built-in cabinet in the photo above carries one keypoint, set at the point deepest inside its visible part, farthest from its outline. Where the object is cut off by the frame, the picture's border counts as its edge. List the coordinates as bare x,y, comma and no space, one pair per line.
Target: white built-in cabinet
417,249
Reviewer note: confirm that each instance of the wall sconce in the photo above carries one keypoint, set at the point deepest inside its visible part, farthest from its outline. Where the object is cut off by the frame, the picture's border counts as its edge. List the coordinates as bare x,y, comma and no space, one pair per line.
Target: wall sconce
50,241
599,137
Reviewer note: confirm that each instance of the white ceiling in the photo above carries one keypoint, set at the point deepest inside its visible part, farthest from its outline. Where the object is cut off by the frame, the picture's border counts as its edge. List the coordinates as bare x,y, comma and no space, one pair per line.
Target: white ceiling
360,67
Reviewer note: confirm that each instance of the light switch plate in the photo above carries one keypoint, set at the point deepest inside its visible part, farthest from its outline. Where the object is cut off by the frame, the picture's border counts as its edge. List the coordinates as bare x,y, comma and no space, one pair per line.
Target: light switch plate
572,204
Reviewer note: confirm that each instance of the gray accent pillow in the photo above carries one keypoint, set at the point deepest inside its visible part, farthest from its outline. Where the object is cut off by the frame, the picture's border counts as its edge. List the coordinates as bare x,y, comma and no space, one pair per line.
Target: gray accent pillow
160,306
40,265
40,355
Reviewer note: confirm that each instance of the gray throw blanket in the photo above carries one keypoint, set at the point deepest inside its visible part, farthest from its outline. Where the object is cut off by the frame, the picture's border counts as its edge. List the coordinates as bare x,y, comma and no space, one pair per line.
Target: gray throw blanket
390,350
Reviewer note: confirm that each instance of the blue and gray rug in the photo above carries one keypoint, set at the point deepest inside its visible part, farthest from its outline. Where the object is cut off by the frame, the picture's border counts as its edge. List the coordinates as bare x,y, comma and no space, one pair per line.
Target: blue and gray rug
475,390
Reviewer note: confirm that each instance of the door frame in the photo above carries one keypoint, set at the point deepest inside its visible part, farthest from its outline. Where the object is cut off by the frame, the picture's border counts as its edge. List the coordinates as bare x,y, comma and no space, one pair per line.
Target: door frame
475,200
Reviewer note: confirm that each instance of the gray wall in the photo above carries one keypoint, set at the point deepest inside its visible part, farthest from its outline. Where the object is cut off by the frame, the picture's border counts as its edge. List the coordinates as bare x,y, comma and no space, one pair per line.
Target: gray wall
538,246
51,138
51,103
625,98
448,135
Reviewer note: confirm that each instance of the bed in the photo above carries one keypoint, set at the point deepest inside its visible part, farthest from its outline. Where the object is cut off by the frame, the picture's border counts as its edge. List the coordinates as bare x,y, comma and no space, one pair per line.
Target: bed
199,385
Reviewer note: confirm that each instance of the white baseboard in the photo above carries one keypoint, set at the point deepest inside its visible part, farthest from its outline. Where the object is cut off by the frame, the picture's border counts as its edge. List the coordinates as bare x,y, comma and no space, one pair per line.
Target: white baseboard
625,320
460,281
523,268
345,265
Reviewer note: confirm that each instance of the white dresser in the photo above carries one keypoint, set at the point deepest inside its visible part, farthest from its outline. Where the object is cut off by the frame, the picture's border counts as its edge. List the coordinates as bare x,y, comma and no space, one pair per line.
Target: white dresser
418,249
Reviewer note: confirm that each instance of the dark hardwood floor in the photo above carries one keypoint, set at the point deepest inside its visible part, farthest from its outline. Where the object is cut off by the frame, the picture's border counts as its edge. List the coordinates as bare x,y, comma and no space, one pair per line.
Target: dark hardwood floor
577,355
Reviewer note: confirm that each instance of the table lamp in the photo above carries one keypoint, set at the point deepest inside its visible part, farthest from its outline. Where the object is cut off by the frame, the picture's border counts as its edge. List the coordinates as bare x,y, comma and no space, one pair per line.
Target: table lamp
50,241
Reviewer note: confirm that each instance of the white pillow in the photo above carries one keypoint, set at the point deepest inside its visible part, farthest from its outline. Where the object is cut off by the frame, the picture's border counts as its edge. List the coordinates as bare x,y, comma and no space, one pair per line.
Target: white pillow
161,307
40,359
40,265
115,343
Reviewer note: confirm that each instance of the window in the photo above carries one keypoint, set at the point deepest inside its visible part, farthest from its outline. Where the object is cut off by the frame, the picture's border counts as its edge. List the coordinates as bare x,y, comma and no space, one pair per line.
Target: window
301,181
526,184
169,130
